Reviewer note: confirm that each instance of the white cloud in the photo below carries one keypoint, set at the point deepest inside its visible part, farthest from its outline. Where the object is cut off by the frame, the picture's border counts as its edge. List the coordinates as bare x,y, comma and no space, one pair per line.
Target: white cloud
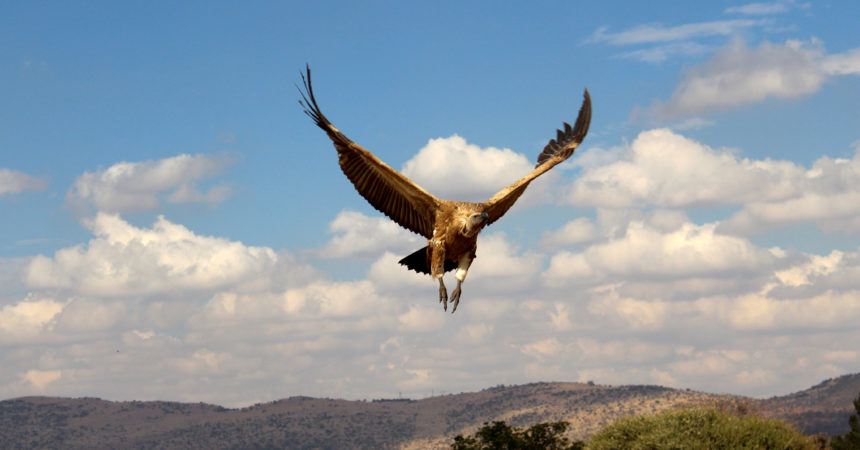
13,182
764,9
452,169
847,63
661,53
135,186
827,194
577,231
201,318
665,169
26,319
167,258
646,34
738,75
360,236
39,379
644,252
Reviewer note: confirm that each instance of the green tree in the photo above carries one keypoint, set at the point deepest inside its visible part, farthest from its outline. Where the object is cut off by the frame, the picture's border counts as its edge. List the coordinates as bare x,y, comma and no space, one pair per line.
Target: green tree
699,428
851,439
499,435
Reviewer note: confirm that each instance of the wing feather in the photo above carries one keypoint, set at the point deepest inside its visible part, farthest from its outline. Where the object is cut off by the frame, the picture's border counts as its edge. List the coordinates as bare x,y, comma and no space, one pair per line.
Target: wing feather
384,188
556,151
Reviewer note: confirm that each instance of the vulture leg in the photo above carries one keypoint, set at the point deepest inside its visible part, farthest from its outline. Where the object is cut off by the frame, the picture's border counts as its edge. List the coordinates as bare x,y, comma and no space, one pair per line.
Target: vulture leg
443,294
462,270
437,269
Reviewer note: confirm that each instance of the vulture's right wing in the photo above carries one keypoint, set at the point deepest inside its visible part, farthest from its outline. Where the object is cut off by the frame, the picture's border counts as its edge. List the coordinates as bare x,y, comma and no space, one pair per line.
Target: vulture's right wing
558,150
383,187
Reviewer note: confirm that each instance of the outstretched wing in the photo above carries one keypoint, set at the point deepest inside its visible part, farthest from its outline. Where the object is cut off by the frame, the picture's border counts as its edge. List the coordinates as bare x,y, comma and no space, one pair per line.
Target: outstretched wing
558,150
383,187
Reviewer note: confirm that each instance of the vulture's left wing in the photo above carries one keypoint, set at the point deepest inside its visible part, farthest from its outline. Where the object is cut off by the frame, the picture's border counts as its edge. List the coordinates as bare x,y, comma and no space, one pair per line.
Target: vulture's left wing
383,187
556,151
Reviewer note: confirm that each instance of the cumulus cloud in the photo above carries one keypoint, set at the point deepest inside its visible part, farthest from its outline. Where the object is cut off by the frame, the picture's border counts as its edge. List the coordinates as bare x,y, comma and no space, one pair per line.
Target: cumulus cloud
666,169
645,252
577,231
738,75
27,318
126,260
360,236
13,182
241,342
39,379
136,186
641,296
453,169
827,194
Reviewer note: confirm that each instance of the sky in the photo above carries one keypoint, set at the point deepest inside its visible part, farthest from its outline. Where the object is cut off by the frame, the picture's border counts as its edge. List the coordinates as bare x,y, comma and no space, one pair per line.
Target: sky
175,228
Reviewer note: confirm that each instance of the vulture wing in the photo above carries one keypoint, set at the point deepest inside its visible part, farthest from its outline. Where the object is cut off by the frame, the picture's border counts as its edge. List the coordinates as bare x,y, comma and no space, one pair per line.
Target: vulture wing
558,150
383,187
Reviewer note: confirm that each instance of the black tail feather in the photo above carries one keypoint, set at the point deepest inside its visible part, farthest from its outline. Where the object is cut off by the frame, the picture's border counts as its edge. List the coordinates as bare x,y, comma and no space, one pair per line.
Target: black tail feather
419,261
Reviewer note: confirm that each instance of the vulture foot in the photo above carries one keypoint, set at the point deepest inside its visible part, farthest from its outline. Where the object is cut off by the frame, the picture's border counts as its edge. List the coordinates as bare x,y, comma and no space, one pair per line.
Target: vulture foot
455,298
443,295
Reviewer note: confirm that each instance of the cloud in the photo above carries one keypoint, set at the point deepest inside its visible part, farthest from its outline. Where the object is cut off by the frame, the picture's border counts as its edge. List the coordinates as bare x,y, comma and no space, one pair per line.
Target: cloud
27,318
41,378
765,9
135,186
827,194
13,182
647,34
738,75
665,169
577,231
642,294
660,53
643,252
263,336
450,168
165,259
360,236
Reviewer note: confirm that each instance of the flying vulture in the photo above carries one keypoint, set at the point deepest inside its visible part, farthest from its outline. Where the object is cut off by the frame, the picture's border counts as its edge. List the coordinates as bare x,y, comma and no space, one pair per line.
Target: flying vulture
451,228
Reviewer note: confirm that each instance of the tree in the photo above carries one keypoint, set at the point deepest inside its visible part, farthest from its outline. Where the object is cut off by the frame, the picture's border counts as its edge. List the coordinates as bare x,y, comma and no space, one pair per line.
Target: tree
851,439
699,428
499,435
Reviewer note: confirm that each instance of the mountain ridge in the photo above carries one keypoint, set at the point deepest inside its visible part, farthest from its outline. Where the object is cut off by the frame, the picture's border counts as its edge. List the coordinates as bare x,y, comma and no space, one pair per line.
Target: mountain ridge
306,422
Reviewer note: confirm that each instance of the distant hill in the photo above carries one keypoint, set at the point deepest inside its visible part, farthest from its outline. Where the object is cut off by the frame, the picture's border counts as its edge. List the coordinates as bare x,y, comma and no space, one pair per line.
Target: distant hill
304,422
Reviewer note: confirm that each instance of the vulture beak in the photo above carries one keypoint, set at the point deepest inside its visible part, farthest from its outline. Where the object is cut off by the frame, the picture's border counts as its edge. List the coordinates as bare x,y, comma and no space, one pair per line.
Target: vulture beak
485,216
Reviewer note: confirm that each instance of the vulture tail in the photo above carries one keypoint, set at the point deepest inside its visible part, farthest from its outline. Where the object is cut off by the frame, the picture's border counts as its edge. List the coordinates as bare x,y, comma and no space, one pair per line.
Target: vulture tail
419,261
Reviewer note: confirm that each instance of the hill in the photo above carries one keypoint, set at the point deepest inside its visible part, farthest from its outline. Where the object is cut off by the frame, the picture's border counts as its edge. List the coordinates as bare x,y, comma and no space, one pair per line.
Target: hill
304,422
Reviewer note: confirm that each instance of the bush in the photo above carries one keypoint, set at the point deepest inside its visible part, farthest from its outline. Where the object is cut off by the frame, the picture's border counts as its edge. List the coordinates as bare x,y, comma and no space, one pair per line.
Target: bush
499,435
851,439
699,428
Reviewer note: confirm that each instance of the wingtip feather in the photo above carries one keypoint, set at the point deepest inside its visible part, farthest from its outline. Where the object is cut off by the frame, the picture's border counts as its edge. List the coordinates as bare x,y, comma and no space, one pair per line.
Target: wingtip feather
570,135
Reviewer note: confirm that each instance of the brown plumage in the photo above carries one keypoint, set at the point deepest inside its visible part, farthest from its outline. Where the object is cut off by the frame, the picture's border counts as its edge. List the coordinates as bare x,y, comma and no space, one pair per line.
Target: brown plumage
451,228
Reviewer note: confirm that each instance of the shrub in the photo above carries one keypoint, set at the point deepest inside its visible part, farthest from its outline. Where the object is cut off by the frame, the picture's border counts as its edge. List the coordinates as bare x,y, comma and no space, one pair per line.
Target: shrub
699,428
499,435
851,439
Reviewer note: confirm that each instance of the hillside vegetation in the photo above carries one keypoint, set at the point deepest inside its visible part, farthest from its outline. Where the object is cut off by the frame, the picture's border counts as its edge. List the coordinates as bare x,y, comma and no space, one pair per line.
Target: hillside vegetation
303,422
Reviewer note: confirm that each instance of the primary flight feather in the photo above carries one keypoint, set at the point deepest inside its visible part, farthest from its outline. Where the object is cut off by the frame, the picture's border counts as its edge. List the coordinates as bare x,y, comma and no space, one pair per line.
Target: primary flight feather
451,227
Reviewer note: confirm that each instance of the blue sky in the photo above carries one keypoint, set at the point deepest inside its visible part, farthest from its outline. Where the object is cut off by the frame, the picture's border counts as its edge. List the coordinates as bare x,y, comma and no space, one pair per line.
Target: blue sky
174,227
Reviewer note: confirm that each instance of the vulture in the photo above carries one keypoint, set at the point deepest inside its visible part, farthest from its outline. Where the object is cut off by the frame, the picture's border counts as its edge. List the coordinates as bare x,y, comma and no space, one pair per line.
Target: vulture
450,227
